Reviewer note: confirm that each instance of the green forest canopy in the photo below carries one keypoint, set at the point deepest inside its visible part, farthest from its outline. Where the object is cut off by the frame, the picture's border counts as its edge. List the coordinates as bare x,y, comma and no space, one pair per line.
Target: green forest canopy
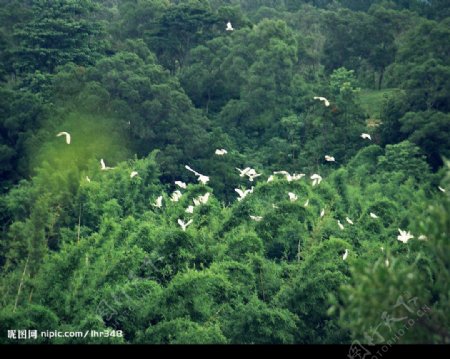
335,228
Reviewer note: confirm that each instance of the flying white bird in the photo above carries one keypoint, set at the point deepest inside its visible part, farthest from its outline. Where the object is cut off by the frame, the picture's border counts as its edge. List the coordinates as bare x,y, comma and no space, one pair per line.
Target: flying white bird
190,209
243,193
373,215
348,220
306,203
441,189
133,174
184,225
404,236
325,101
180,184
366,136
201,178
344,257
158,202
88,179
316,179
67,134
341,226
229,26
292,197
256,218
251,174
329,158
103,166
221,152
243,172
322,213
296,177
176,195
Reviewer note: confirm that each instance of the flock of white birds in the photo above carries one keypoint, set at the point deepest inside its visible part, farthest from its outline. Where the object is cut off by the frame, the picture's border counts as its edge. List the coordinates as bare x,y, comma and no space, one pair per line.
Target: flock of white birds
251,174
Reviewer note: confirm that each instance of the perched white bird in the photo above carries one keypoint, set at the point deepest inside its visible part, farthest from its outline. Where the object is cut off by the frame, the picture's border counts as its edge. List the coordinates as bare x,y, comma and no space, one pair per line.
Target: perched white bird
274,206
133,174
306,203
229,26
243,172
441,189
184,225
256,218
404,236
270,179
243,193
67,134
204,199
88,179
158,202
386,262
373,215
329,158
190,209
382,249
322,213
422,237
344,257
325,101
176,195
221,152
366,136
103,166
316,179
341,226
348,220
292,197
180,184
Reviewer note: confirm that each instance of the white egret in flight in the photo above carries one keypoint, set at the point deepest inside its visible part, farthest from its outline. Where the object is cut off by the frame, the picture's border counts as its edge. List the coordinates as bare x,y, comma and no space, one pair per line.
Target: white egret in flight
325,101
344,257
180,184
201,178
67,134
366,136
221,152
243,172
316,179
243,193
184,225
404,236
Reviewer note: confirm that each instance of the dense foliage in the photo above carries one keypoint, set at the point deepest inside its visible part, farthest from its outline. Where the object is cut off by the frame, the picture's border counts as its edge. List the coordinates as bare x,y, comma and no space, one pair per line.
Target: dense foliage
149,87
